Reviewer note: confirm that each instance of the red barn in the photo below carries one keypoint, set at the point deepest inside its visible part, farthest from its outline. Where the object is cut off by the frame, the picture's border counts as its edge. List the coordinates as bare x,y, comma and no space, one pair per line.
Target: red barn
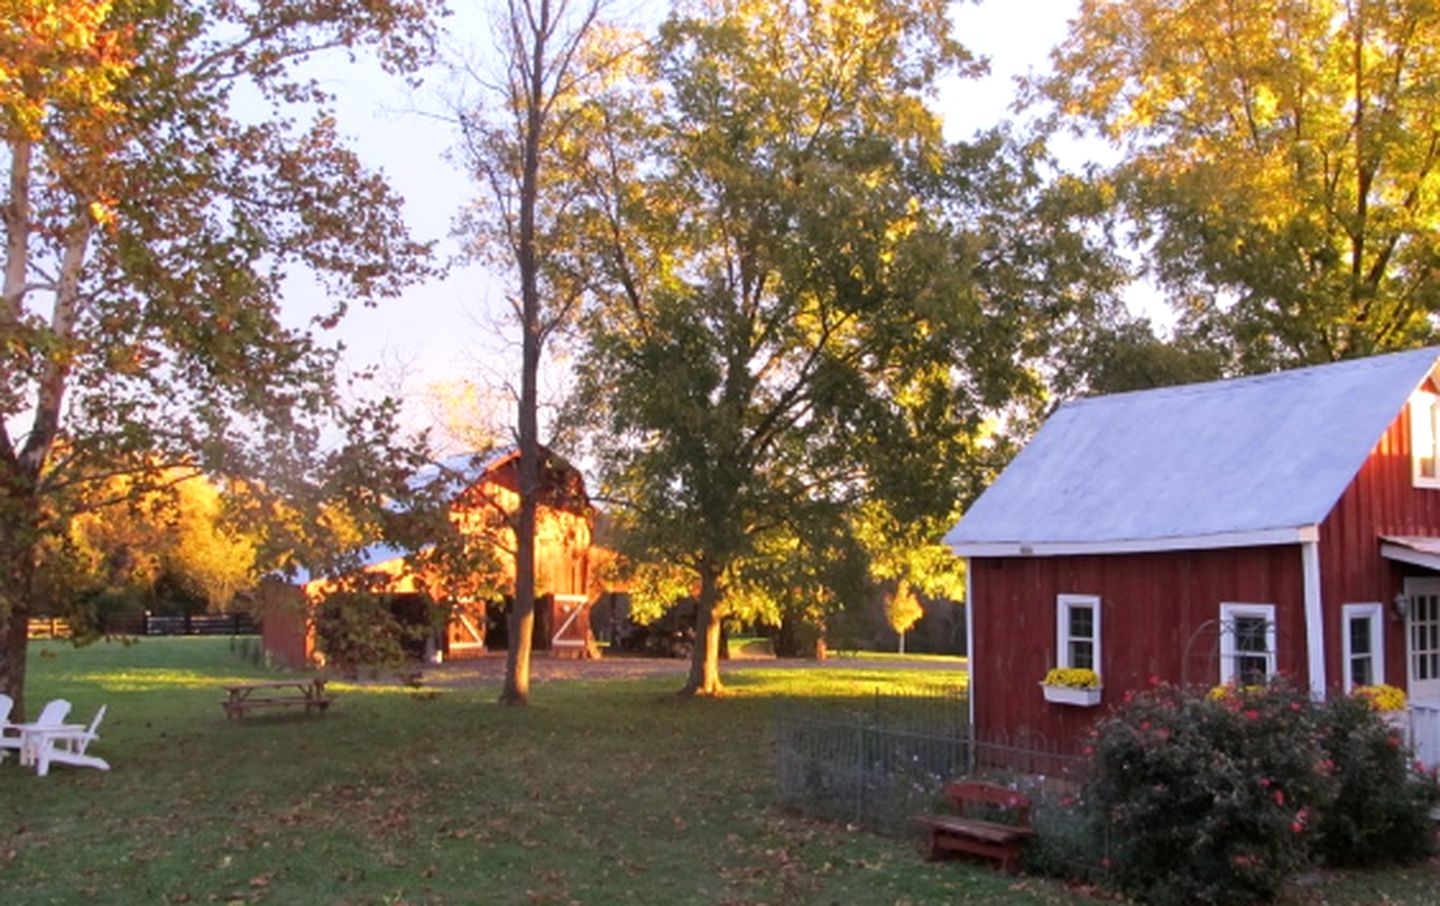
1288,523
486,498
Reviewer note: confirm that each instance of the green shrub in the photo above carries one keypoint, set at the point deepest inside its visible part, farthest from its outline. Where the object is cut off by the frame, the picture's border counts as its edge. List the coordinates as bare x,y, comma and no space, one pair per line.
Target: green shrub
1381,813
359,630
1067,844
1209,799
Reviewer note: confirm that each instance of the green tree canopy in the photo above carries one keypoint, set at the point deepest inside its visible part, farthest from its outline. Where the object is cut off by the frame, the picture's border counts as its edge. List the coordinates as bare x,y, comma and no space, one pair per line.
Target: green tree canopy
804,299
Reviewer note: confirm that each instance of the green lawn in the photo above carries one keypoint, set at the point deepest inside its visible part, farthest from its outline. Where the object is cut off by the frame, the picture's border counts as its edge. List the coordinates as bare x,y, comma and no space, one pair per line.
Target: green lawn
599,793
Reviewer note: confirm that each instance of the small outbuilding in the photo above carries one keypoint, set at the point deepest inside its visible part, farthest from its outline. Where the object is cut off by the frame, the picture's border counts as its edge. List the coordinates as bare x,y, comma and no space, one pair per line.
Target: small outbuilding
1212,533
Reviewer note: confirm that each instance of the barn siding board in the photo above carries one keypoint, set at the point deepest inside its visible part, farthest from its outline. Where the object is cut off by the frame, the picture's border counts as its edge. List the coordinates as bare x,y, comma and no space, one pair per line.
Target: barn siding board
1151,607
1380,500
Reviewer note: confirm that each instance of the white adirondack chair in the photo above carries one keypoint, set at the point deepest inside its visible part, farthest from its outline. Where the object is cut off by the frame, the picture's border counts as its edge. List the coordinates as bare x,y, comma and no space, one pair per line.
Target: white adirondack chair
68,747
9,736
52,715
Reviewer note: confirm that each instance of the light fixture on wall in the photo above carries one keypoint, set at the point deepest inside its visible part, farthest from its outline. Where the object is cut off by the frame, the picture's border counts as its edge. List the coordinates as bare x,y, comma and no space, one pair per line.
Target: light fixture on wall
1401,605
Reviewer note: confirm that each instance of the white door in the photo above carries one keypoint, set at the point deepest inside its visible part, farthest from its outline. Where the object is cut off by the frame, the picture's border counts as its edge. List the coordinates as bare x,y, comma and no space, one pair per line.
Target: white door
1422,639
1422,666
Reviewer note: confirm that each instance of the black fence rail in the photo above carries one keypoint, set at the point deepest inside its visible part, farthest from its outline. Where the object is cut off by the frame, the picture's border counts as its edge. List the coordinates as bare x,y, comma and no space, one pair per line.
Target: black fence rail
149,624
199,624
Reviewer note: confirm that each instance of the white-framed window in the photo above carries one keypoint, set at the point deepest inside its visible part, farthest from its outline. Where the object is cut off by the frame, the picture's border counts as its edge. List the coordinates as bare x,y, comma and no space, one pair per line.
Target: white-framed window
1425,439
1363,642
1077,631
1247,643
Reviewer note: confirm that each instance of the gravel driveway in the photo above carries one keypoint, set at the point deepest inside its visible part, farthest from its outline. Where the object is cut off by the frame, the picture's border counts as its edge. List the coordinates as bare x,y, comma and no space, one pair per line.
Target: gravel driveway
490,670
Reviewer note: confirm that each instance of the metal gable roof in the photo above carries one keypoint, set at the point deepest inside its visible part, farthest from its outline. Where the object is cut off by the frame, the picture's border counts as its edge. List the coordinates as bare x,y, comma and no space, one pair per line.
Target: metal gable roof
461,470
1224,460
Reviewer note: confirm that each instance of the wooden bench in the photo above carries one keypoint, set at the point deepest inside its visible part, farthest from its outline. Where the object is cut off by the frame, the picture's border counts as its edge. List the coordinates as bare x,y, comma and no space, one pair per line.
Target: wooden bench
977,836
310,695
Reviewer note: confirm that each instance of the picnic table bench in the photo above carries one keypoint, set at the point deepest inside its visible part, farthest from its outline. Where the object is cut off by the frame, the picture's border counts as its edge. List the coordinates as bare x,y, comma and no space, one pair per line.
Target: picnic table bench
959,832
309,694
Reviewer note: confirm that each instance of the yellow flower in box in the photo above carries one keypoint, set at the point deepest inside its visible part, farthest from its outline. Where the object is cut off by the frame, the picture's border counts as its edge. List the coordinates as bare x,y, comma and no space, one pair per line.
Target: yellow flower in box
1073,677
1382,697
1225,690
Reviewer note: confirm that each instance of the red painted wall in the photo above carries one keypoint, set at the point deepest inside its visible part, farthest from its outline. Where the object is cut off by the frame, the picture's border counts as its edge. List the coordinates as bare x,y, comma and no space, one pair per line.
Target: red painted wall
1381,500
1154,607
285,631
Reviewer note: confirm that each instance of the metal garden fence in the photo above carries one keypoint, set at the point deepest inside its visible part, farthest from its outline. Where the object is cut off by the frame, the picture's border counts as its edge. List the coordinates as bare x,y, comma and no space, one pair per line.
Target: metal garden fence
873,762
879,762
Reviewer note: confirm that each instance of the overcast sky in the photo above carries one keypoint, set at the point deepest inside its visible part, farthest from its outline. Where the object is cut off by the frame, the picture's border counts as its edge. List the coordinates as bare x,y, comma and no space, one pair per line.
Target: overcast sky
453,329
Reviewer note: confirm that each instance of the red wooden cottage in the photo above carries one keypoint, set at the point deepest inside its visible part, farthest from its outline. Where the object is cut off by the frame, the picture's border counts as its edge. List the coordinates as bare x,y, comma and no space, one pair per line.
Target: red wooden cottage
486,498
1214,532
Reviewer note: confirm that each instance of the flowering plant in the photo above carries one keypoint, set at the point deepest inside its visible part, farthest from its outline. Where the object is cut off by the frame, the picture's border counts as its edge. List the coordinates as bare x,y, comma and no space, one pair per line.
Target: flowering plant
1232,691
1209,799
1072,677
1382,697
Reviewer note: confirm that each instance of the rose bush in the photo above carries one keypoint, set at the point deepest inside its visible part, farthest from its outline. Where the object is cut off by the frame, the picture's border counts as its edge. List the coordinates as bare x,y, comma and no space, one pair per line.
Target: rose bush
1219,797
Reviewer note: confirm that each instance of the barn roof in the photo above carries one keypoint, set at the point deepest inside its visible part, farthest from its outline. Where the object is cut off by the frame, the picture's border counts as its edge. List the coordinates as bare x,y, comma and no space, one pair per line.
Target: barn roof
449,476
457,473
461,470
1246,461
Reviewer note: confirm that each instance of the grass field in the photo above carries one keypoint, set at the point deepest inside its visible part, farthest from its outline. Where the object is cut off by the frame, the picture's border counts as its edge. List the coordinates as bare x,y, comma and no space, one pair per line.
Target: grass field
601,792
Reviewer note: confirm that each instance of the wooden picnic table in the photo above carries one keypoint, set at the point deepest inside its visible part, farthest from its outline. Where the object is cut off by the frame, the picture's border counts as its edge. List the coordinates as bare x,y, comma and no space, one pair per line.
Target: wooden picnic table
309,694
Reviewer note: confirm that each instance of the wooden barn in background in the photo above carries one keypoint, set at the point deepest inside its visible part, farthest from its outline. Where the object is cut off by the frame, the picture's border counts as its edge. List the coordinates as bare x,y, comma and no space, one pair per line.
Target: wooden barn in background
486,499
1212,533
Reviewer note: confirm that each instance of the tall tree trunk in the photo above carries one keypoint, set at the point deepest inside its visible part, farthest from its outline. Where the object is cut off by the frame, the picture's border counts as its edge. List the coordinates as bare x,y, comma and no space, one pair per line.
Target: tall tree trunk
19,468
19,504
17,572
522,615
15,214
14,650
51,385
704,676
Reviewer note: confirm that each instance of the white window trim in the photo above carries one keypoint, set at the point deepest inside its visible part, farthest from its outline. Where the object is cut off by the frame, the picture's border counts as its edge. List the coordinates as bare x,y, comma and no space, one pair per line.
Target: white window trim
1375,613
1422,432
1229,612
1063,605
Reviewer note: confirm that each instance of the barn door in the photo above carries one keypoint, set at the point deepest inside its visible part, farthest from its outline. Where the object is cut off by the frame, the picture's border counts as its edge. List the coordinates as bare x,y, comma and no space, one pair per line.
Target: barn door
571,631
1422,639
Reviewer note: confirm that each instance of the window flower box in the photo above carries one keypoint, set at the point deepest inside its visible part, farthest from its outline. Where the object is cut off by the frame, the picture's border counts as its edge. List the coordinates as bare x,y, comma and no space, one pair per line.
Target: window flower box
1078,696
1077,687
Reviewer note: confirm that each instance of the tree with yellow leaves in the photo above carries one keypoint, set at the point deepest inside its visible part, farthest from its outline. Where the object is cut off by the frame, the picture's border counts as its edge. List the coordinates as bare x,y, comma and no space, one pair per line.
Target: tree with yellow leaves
1279,163
149,222
179,533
